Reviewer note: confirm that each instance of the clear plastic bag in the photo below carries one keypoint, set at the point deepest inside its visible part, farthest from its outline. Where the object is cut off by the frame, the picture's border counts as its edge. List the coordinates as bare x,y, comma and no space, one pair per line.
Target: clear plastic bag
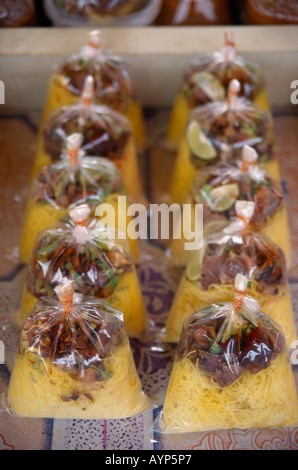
210,273
106,133
218,131
96,260
207,80
220,186
98,8
75,179
74,361
113,84
231,370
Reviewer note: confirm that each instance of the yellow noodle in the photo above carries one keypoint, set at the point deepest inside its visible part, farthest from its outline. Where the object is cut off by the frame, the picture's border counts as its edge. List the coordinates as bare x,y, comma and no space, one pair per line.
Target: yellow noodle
135,115
191,298
37,393
194,402
129,300
133,244
262,99
273,168
128,166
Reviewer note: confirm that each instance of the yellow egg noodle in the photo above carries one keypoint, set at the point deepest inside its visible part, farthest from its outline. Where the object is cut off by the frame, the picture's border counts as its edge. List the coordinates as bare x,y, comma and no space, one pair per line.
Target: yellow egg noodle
58,95
37,217
194,402
205,79
127,164
181,111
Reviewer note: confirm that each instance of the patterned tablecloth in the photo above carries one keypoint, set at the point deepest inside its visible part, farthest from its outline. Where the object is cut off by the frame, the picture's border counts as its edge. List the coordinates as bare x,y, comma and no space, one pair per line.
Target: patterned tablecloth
159,283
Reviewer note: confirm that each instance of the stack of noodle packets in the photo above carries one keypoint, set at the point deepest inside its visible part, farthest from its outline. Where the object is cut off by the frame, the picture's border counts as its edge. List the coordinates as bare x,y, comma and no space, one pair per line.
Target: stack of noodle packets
218,188
217,132
210,274
106,133
207,79
74,179
113,84
231,370
74,361
100,265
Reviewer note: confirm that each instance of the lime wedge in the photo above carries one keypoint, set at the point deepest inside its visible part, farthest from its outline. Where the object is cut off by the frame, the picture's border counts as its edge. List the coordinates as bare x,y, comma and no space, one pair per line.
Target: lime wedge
223,197
210,84
193,269
199,144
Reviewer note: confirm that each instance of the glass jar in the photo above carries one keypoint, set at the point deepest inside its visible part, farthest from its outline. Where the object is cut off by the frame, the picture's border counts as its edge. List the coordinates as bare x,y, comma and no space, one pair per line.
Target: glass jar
194,12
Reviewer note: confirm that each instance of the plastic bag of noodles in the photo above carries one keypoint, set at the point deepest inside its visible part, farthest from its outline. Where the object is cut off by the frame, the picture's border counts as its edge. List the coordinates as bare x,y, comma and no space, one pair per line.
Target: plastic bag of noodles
96,9
219,187
231,370
106,133
113,84
207,79
217,132
74,361
73,180
210,274
95,259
